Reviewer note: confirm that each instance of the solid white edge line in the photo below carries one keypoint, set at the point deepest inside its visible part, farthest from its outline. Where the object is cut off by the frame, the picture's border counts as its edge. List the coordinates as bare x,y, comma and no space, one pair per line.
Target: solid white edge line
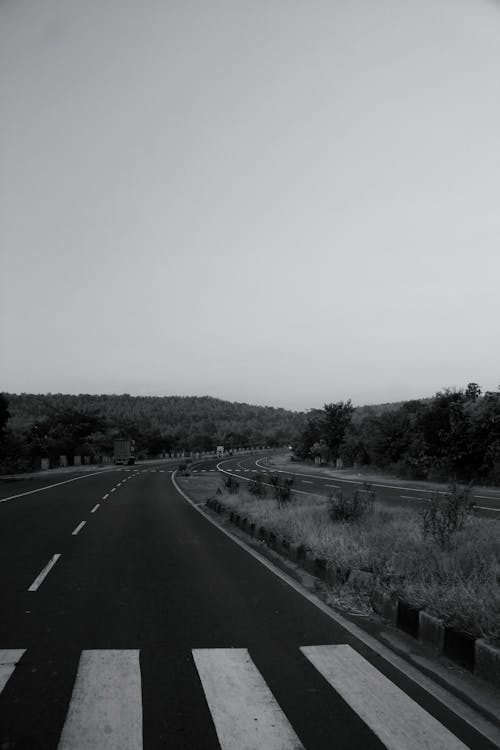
384,486
57,484
95,508
78,528
44,573
447,699
247,479
8,662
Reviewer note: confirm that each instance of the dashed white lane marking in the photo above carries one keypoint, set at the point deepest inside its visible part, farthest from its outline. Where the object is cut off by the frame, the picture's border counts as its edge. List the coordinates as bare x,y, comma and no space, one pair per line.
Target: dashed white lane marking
44,573
95,508
304,481
105,711
104,497
8,660
333,485
113,489
244,711
78,528
396,719
162,471
413,497
50,486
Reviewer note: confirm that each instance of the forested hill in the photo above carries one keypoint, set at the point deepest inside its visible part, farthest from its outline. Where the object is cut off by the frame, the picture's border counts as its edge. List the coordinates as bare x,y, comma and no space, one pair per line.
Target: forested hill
157,423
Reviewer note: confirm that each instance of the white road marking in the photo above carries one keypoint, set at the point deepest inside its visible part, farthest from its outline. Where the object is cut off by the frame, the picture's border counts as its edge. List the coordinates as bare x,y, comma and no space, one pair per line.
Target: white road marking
105,711
413,497
113,489
105,496
244,711
473,720
333,485
162,471
396,719
267,484
485,507
8,660
304,481
354,481
50,486
95,508
40,577
78,528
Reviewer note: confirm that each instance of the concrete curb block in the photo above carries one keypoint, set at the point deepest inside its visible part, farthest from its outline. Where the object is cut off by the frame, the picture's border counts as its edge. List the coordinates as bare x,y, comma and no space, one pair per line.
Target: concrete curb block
487,662
478,656
431,631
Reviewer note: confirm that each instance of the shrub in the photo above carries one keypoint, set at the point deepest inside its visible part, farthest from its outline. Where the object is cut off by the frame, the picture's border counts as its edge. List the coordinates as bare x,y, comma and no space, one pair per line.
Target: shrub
184,469
446,514
257,488
232,484
282,489
351,509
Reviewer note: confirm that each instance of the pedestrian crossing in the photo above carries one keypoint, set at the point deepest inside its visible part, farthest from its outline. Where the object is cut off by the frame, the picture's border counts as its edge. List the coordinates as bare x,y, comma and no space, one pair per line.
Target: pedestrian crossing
105,709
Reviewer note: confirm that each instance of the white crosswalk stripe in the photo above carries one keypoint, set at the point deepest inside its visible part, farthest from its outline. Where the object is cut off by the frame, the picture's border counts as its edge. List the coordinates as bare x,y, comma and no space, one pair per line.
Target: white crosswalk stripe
106,711
396,719
8,660
245,712
106,706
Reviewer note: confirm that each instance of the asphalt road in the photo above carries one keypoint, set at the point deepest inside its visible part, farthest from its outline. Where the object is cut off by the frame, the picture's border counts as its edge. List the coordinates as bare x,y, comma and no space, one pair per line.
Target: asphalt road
317,481
129,621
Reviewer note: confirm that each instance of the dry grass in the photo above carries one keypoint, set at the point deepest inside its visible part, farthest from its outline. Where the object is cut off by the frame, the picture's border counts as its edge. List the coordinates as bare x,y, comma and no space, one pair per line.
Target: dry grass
461,585
200,487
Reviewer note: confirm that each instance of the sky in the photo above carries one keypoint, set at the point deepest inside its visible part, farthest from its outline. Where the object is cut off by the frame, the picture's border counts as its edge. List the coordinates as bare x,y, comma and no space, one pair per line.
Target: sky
282,202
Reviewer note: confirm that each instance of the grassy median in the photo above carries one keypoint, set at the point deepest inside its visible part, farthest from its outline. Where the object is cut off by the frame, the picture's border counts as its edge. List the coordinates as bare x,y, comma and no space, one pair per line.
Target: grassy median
453,574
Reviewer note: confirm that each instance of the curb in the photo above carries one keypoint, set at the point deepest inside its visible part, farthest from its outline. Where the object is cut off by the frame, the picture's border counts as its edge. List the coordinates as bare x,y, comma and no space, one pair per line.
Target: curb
475,654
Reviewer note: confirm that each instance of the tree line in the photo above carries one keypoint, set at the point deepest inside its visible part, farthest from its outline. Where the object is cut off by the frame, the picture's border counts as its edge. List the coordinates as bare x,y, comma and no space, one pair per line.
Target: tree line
453,436
33,426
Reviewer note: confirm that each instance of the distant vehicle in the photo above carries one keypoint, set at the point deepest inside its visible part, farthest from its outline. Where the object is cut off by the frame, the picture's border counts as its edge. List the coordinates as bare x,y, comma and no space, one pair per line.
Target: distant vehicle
219,451
124,452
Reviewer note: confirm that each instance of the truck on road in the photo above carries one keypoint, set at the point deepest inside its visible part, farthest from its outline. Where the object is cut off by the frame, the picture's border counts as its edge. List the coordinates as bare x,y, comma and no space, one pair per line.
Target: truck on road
124,452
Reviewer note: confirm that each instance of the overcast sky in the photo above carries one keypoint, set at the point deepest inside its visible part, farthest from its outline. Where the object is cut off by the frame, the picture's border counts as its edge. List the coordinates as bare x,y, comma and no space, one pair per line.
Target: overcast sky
283,202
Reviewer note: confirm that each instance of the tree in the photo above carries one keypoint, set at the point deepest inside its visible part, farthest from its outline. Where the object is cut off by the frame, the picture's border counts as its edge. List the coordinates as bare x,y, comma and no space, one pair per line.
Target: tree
336,418
4,414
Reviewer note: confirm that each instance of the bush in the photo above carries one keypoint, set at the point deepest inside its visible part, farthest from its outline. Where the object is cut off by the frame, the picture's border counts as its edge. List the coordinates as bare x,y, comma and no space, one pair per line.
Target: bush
257,488
351,509
282,490
184,469
232,484
446,514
